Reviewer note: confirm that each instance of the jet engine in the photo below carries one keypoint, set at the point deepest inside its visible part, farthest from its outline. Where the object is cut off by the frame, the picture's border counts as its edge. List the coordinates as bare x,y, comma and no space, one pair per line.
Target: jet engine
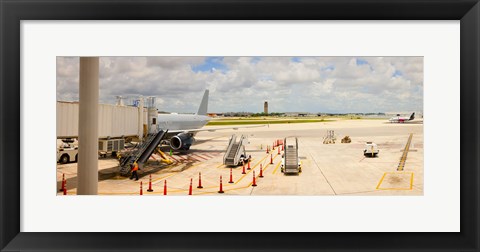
181,141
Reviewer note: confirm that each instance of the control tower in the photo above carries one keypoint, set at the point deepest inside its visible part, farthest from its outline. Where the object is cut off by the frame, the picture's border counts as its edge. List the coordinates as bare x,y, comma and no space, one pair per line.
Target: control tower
265,107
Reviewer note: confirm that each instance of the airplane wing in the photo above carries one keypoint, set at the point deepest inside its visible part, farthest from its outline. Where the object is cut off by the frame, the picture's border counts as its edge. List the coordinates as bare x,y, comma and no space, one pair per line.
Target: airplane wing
214,129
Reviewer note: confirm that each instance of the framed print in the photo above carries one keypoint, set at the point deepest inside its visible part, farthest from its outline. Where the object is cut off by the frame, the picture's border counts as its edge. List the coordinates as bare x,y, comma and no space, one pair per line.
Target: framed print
375,103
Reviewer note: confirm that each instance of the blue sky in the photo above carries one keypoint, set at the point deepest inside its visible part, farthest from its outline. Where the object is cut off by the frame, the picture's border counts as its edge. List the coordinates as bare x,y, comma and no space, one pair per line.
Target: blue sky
210,64
290,84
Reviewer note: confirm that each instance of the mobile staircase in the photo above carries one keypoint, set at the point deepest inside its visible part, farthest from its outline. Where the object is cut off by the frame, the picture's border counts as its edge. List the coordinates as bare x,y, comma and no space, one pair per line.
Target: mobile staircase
291,162
142,152
235,154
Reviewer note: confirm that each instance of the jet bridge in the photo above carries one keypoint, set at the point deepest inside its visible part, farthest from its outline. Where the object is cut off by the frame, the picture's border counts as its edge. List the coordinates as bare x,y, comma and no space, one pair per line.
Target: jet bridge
290,163
142,152
235,154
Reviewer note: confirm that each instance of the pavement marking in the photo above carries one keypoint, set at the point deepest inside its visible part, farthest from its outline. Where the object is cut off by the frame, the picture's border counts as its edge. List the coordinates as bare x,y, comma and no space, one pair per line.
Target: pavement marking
199,156
190,156
161,178
252,168
411,182
258,175
171,175
225,190
325,177
396,188
401,165
381,180
276,168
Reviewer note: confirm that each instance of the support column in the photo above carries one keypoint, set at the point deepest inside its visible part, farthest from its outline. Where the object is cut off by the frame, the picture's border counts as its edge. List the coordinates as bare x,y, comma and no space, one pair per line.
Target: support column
140,119
87,169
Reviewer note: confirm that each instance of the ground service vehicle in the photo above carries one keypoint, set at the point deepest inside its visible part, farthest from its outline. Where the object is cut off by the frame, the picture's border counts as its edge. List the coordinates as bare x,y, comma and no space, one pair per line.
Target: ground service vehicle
235,154
67,152
371,149
290,161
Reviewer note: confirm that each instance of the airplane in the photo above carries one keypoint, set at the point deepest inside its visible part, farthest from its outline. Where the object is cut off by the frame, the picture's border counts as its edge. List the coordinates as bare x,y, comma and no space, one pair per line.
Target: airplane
399,119
182,128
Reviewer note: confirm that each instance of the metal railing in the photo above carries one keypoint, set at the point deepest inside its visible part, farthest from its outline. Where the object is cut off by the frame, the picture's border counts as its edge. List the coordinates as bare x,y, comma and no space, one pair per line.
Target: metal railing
134,155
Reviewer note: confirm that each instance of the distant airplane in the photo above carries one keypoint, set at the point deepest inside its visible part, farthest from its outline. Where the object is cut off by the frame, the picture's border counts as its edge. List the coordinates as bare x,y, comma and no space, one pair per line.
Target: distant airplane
399,119
182,128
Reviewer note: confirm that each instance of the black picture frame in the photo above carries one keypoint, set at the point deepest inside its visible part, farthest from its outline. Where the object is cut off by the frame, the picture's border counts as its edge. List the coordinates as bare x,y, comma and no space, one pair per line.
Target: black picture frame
13,11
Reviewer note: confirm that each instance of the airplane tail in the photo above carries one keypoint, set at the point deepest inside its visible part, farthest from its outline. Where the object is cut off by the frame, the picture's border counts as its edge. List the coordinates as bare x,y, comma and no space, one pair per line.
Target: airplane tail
202,110
412,116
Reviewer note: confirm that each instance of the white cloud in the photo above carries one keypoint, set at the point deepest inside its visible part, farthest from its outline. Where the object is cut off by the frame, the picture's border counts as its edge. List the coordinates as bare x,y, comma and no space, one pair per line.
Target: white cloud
313,84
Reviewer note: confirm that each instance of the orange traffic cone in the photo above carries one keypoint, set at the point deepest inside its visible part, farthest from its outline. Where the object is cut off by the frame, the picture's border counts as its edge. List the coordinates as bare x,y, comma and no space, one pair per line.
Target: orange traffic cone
248,168
283,147
190,188
253,183
63,183
141,188
199,180
261,171
231,177
271,158
150,184
243,168
165,187
278,151
221,187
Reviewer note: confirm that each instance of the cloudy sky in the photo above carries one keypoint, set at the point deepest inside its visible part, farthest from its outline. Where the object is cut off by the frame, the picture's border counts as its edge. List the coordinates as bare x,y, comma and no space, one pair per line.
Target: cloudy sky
289,84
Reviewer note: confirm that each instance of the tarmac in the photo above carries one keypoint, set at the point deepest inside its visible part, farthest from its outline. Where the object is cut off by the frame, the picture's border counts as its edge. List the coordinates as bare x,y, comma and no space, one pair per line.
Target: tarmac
338,169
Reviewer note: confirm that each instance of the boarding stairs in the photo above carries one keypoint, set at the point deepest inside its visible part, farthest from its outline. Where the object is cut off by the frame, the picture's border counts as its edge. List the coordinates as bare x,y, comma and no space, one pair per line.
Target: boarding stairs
142,152
234,151
291,156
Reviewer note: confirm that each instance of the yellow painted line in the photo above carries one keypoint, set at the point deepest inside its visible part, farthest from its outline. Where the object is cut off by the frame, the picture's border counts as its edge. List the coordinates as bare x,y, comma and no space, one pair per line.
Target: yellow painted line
411,182
164,177
211,187
195,192
202,191
169,190
225,190
395,189
399,188
251,169
381,180
171,175
236,188
258,175
267,165
401,165
276,168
